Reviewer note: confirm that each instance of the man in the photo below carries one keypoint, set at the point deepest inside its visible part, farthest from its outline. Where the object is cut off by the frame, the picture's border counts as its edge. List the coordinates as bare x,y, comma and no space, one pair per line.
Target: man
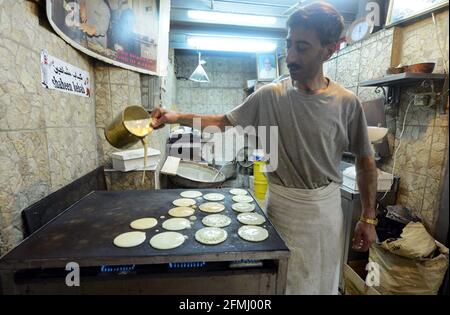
95,17
317,120
267,72
46,67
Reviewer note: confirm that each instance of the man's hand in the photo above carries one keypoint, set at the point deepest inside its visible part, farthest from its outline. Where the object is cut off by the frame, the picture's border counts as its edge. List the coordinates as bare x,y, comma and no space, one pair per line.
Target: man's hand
367,174
364,236
162,116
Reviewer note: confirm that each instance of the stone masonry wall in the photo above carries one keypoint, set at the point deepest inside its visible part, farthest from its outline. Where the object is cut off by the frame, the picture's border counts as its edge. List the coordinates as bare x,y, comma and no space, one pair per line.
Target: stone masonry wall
228,77
47,138
424,146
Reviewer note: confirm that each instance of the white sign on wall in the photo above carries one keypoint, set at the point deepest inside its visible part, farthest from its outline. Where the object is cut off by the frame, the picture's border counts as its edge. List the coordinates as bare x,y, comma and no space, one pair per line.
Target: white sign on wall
59,75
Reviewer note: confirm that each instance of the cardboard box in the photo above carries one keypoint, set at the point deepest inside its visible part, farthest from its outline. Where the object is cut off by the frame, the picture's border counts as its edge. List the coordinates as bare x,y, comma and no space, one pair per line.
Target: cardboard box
354,274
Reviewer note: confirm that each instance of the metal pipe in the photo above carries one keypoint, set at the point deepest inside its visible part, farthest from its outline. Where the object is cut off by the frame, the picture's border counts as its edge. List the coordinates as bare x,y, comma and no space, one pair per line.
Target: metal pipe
256,4
237,2
293,7
233,12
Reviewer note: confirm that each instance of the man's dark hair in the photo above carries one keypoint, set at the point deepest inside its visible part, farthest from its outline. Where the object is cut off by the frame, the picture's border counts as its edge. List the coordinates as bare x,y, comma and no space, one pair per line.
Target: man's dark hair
320,17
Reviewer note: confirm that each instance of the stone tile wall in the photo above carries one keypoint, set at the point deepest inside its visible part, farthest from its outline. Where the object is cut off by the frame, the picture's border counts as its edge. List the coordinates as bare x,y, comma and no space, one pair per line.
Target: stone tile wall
47,138
419,42
116,88
228,77
424,145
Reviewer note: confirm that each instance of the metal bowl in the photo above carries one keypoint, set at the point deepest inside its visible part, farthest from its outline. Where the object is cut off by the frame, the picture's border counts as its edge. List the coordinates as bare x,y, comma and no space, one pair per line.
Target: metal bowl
195,175
228,168
426,67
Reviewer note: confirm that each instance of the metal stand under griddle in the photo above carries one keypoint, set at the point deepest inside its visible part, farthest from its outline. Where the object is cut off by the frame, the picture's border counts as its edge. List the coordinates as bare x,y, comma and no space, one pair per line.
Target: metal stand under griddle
84,233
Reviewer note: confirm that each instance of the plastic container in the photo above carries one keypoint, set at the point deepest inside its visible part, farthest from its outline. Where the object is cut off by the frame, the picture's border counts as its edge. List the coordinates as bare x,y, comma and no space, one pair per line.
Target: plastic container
258,170
134,159
260,188
260,182
384,181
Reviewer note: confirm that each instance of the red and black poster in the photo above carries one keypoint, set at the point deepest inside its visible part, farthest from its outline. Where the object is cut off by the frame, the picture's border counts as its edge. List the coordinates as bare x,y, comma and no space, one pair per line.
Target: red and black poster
132,34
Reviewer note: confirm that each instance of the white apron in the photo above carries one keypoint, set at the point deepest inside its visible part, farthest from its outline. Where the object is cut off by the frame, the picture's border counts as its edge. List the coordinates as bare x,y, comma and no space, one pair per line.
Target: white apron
310,221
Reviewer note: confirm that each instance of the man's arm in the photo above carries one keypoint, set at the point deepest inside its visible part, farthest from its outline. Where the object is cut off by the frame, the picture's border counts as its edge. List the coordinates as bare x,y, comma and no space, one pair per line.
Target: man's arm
162,116
366,174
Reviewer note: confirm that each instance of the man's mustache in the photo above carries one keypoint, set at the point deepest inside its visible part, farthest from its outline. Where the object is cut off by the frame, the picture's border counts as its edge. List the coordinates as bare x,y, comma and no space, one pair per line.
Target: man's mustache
293,66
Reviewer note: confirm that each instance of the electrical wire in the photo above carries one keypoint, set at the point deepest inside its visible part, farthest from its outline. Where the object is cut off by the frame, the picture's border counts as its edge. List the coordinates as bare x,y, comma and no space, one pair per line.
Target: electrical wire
436,29
399,144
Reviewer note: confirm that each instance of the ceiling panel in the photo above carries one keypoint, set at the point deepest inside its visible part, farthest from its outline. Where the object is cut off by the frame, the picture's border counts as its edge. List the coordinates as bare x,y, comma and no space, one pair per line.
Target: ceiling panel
182,24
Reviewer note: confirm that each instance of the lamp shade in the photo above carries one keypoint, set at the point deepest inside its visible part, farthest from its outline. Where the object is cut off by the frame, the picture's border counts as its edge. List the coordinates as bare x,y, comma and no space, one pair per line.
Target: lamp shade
199,74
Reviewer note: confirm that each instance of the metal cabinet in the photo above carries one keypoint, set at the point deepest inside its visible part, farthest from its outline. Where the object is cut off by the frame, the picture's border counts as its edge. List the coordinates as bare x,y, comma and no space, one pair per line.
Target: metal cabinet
351,207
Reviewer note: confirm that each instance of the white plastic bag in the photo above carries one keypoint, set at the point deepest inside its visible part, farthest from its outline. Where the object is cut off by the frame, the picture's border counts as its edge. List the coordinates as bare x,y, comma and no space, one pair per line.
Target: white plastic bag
414,242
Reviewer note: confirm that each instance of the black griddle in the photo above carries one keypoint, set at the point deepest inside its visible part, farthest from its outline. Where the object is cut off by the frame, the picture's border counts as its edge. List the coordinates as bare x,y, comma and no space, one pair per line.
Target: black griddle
84,234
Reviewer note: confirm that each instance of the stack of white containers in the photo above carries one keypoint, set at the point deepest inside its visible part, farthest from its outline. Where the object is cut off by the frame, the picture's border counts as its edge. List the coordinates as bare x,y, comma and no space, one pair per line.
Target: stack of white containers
385,180
131,160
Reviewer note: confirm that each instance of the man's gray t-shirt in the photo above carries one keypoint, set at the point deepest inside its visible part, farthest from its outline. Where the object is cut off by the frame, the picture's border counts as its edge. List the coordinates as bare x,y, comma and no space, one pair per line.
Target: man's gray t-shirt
314,131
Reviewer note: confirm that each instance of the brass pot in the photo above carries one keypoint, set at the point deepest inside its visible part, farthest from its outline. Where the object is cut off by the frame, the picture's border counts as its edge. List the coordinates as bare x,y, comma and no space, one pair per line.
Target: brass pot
119,132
